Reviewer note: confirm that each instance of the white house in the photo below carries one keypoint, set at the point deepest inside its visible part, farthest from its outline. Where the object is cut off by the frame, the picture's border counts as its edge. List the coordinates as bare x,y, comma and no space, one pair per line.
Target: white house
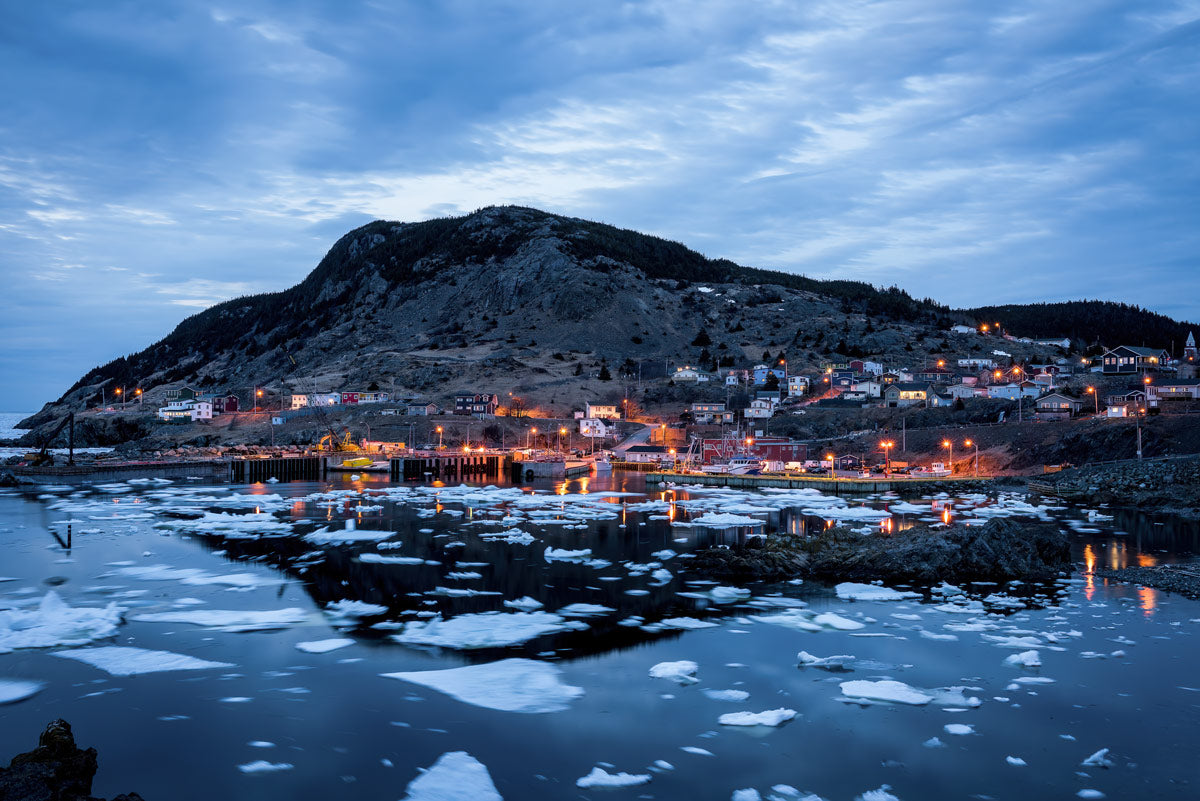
299,401
1059,343
598,411
316,399
731,380
186,410
977,364
760,408
797,385
688,373
965,391
593,427
1025,389
962,329
871,388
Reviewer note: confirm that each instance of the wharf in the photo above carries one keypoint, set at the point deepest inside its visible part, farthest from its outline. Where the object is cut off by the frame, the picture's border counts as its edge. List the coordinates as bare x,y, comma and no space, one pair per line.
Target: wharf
835,486
551,469
123,471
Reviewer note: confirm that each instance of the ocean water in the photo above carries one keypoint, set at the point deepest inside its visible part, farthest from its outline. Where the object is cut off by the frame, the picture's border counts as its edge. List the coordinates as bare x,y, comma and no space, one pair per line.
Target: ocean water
8,422
414,579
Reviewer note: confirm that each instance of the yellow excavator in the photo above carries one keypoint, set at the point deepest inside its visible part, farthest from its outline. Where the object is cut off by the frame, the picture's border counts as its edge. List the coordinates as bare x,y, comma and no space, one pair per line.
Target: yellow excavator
331,444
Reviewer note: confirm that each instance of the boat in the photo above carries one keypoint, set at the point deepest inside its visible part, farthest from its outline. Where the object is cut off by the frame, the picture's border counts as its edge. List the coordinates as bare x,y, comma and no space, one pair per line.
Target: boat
737,466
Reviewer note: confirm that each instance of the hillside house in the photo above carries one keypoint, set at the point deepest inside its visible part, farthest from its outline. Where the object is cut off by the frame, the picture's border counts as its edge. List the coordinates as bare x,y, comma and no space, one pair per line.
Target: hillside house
689,374
182,393
760,409
221,403
372,397
186,411
349,398
1024,389
761,371
933,375
1057,343
797,385
483,405
905,394
1164,392
1125,359
594,427
1057,406
423,409
938,400
1190,355
966,391
599,411
732,378
647,453
705,413
869,387
977,364
962,329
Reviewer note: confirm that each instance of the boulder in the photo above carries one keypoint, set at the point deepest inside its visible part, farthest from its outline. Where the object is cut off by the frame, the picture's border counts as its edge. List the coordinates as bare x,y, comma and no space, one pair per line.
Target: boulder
57,770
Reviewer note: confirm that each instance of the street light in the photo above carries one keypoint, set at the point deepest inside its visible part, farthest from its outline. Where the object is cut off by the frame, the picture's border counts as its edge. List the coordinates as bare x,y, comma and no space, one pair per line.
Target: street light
562,430
120,392
672,452
948,444
887,446
970,443
832,466
439,433
138,393
1092,391
257,395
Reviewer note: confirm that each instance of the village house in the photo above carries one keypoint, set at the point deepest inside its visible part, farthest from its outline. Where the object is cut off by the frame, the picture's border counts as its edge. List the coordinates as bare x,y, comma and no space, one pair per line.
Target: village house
593,427
905,394
934,375
601,411
1163,393
1130,359
797,385
484,405
1024,389
962,329
221,403
1190,355
186,410
760,408
181,393
976,363
705,413
869,387
647,453
732,378
423,409
761,371
966,391
372,397
1058,343
860,366
687,374
775,449
1057,406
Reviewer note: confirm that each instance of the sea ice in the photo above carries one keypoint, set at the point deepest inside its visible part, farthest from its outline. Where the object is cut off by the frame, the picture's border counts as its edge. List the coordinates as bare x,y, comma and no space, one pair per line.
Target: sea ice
124,661
691,749
13,690
380,559
830,620
599,777
830,663
324,646
230,620
262,766
564,555
1024,659
848,590
324,536
349,611
524,603
584,610
485,629
771,717
1098,760
1015,761
53,622
456,776
510,685
682,672
881,794
958,729
886,690
720,520
727,695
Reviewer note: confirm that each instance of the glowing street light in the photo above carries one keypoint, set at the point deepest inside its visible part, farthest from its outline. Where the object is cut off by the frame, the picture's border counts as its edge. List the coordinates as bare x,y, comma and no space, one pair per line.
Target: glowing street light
120,391
832,466
969,444
672,452
948,444
138,393
1092,391
561,431
439,433
887,446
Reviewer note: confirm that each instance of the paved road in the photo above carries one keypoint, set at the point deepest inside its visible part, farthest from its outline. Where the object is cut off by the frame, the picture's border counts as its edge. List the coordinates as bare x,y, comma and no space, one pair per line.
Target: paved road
636,438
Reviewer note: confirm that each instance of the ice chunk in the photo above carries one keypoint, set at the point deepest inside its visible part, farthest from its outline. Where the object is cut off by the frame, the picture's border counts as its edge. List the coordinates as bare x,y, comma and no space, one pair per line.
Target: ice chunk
585,610
349,611
686,623
324,536
1089,794
959,729
682,672
599,777
456,776
886,690
933,742
721,520
747,794
691,749
830,620
125,661
510,685
13,690
230,620
380,559
1016,761
1024,659
196,577
524,603
830,663
1098,760
324,646
53,622
485,629
564,555
848,590
771,717
262,766
882,794
727,695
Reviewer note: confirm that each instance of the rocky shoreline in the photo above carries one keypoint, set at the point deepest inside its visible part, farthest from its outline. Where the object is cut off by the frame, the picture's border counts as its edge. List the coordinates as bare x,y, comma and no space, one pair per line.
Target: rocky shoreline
57,770
1171,486
1181,579
1001,550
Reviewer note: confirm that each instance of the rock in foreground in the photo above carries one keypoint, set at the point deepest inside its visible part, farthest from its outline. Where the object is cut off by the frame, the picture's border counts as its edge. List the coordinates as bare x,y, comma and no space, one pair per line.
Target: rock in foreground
57,770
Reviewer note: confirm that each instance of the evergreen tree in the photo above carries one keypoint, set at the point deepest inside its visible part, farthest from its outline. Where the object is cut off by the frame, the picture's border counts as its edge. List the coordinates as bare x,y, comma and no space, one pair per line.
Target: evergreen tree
605,375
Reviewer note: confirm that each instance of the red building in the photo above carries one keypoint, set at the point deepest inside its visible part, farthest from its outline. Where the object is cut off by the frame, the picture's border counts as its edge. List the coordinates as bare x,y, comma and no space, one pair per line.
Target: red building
774,449
349,397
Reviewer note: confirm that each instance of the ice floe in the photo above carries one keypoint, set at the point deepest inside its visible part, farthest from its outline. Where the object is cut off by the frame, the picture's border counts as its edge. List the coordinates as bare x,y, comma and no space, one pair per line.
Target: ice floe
849,590
599,777
885,690
485,629
681,672
727,695
510,685
53,623
262,766
770,717
324,646
230,619
125,661
456,776
835,664
13,690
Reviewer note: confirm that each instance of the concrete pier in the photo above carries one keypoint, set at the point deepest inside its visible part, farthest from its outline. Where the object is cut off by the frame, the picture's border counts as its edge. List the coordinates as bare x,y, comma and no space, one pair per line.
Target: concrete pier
215,470
440,468
834,486
551,469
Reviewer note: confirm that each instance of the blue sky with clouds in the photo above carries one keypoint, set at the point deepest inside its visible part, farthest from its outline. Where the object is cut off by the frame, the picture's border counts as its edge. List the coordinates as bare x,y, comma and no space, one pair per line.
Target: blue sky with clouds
156,158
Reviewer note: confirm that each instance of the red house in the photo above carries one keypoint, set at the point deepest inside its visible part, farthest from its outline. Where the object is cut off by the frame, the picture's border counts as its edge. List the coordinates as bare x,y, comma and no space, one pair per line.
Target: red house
775,449
349,397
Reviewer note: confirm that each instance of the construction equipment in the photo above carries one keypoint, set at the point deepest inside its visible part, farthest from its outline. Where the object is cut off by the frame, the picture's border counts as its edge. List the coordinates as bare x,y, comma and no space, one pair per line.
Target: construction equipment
43,457
331,444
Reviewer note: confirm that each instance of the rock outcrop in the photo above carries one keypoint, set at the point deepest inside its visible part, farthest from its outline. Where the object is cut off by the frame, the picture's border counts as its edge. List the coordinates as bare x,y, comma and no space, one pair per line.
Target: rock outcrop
57,770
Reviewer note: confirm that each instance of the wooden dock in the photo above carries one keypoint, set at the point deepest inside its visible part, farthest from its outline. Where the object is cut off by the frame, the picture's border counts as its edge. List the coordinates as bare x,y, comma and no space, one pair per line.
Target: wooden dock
122,471
834,486
440,468
283,468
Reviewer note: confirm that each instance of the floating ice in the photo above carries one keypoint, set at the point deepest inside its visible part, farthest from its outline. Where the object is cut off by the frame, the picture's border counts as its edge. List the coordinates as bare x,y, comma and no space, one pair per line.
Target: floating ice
771,717
380,559
881,794
691,749
564,555
599,777
1098,760
851,591
195,577
584,610
324,646
456,776
831,621
886,690
230,620
1016,761
324,536
727,695
524,603
485,629
123,661
349,611
1024,659
721,520
13,690
510,685
53,622
685,623
959,729
682,672
1089,794
262,766
831,663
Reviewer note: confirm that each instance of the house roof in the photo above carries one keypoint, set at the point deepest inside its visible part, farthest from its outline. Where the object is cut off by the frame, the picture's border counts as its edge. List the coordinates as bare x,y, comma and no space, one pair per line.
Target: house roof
1062,395
909,387
645,449
1147,352
1177,382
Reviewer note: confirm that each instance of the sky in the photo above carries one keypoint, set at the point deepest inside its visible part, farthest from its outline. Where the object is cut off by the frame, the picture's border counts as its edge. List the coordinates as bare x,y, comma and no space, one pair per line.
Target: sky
159,157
